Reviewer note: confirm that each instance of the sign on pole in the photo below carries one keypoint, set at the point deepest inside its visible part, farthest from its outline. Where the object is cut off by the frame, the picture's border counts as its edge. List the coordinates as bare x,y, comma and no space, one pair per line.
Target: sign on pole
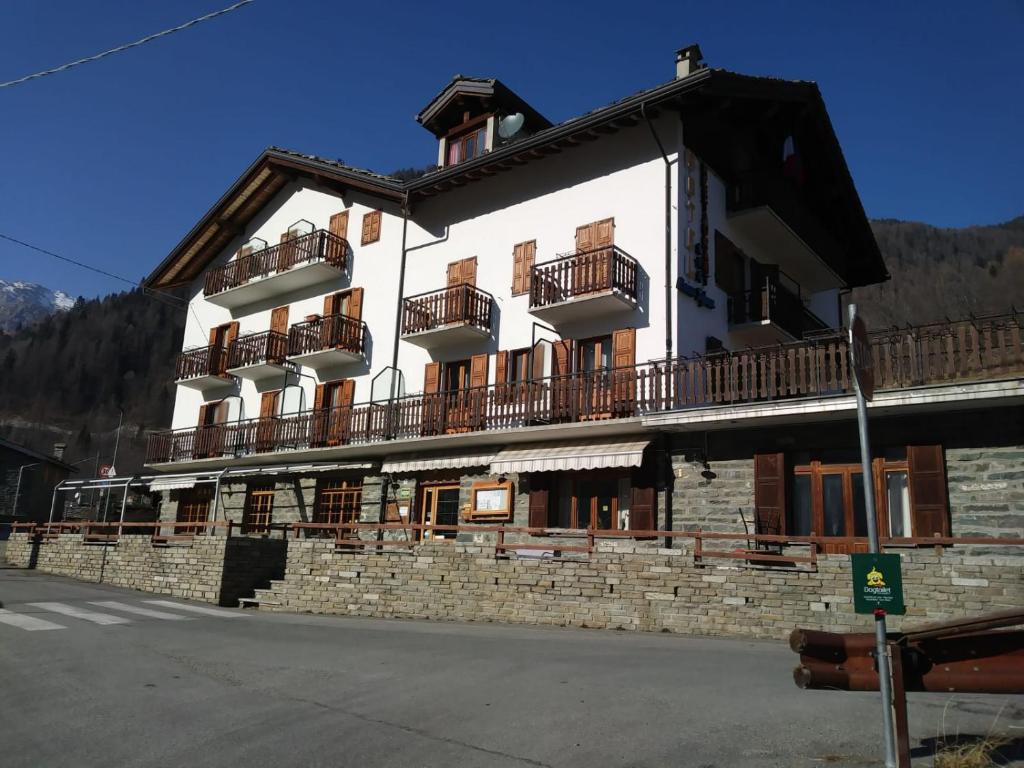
863,364
877,583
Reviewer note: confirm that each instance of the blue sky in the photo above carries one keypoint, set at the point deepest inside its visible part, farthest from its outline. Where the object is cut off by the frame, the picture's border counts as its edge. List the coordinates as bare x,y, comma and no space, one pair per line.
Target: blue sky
113,162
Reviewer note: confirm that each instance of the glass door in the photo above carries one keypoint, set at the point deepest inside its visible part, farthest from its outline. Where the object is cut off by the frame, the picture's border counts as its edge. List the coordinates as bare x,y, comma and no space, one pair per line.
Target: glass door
439,505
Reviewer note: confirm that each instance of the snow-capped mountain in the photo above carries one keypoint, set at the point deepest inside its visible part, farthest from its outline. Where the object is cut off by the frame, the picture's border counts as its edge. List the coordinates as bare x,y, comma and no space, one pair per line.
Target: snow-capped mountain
24,303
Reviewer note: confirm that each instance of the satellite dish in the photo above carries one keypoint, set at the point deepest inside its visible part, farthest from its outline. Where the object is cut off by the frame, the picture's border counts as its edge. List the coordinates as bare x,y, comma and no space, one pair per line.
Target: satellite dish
511,125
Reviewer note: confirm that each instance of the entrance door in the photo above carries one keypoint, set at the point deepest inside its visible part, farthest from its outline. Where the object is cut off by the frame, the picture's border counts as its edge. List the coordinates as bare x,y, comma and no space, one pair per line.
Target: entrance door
843,511
439,505
457,379
594,363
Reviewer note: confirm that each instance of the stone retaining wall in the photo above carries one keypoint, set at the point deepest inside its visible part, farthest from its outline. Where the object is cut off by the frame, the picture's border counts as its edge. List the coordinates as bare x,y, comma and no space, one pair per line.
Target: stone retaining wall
214,569
642,589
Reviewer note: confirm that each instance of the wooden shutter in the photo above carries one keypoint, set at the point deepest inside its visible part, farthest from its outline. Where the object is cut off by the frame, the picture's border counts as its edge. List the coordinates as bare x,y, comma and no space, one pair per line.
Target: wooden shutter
643,501
769,492
604,233
454,273
538,361
469,270
478,371
624,348
929,508
331,301
355,303
432,378
231,334
539,484
215,335
347,392
585,237
371,227
562,357
202,414
279,320
268,404
518,269
339,224
318,399
529,257
501,367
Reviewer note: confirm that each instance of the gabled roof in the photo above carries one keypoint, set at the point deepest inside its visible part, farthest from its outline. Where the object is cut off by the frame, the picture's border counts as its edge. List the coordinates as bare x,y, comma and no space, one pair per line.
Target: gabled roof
707,98
39,457
494,96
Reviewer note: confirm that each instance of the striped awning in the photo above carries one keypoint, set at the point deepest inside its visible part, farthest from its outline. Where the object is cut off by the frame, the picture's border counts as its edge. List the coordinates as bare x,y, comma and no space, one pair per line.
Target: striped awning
552,457
416,462
171,483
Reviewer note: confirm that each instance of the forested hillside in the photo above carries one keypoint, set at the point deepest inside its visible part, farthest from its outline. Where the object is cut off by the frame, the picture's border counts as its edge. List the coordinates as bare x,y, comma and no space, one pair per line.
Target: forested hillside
64,379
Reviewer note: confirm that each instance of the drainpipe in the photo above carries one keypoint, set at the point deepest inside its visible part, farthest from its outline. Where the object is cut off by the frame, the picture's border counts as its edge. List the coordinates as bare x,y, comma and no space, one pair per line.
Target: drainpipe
668,232
216,493
401,289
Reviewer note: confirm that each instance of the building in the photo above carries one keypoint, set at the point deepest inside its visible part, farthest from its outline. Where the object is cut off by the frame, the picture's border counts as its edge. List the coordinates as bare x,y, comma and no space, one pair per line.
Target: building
27,479
628,320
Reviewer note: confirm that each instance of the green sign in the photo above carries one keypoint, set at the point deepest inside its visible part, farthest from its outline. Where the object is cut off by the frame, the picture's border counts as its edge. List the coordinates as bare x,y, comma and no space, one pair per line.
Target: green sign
877,583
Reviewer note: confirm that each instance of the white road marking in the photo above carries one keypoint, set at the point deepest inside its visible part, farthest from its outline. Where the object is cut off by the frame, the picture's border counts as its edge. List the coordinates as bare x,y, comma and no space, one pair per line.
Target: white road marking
206,611
116,606
81,613
29,623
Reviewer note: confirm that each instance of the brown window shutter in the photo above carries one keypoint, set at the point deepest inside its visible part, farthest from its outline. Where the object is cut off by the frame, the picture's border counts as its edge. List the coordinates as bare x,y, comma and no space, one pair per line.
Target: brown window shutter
518,269
339,224
355,303
929,508
538,361
371,227
585,238
624,348
202,414
377,216
562,354
469,270
348,392
331,302
318,399
529,257
214,335
268,404
501,367
220,415
232,333
604,233
769,492
454,273
432,378
279,320
478,371
539,484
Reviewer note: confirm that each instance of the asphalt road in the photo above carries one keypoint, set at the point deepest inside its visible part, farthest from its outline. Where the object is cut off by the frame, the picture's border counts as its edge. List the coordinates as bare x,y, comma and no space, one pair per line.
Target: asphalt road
94,675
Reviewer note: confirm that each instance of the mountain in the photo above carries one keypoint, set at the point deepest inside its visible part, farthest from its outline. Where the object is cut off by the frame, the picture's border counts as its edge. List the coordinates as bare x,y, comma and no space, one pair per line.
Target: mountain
64,378
940,272
22,304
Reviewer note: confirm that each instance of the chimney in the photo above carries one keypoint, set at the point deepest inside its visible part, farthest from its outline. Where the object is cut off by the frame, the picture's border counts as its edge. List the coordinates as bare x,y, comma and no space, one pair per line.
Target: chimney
689,60
58,450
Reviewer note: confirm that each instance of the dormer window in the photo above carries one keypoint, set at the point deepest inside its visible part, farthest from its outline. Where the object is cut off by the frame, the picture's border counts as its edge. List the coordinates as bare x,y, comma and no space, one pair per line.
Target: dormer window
467,145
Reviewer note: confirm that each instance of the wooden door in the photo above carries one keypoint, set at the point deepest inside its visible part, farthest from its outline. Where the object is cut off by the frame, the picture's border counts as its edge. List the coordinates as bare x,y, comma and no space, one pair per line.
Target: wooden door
277,342
461,273
266,427
592,267
624,375
562,381
286,254
594,363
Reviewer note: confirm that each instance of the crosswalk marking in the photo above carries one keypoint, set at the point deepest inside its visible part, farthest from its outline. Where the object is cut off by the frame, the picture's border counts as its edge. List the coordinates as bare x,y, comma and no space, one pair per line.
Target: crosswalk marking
29,623
149,612
195,608
81,613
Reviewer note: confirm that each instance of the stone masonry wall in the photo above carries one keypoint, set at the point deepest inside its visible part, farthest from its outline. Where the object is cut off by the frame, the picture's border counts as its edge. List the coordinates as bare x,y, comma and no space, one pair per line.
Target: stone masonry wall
214,569
626,587
986,491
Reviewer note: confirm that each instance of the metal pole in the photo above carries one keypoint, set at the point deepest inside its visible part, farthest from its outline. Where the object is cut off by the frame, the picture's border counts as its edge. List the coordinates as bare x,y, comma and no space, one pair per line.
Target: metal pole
881,649
124,506
113,463
17,488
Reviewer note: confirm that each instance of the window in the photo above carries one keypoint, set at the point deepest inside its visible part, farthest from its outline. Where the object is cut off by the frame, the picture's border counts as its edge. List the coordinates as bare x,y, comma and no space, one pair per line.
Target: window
439,505
456,376
259,507
519,366
590,500
338,502
466,146
371,227
193,507
523,257
594,354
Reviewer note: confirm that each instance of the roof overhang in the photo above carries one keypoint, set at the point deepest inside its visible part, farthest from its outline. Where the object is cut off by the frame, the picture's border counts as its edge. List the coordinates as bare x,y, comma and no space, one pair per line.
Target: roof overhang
488,95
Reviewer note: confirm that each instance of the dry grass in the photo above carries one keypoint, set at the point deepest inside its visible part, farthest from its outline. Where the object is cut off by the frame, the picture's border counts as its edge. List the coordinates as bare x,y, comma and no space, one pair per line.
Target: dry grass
977,754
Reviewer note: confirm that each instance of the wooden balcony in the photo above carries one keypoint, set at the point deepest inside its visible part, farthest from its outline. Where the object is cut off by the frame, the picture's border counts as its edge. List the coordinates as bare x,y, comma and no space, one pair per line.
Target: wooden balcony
204,368
771,314
580,285
305,261
944,353
456,314
326,341
258,356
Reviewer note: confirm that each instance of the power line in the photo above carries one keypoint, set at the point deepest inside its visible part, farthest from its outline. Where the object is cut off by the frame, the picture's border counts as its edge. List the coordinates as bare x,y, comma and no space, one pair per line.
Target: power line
157,295
126,46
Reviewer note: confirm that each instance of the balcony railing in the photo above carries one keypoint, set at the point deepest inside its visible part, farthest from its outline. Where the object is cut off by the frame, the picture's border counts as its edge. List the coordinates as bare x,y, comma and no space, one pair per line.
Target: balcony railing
774,302
581,274
204,361
461,304
318,246
944,353
268,347
327,332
